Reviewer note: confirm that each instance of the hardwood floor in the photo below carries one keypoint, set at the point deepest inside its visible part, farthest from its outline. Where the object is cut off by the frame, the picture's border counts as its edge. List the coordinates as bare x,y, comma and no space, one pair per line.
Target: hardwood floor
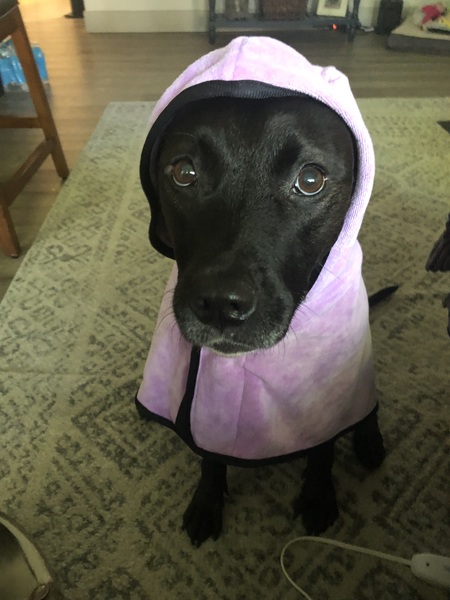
87,71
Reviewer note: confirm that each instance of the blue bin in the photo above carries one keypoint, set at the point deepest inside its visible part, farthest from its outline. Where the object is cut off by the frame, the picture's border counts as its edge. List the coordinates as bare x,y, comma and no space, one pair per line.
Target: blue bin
11,72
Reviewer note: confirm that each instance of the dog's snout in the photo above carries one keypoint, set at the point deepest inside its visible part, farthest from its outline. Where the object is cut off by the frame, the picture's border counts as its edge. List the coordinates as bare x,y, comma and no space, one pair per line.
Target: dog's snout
223,305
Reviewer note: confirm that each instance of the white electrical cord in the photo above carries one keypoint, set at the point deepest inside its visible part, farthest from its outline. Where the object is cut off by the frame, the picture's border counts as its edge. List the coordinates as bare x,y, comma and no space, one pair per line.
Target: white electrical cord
367,551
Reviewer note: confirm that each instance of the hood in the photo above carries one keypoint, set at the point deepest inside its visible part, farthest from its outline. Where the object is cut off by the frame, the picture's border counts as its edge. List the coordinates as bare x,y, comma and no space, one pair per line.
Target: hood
261,67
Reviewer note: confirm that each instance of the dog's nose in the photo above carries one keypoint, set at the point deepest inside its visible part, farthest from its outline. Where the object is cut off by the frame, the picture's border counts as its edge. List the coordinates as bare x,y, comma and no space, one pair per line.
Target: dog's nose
223,305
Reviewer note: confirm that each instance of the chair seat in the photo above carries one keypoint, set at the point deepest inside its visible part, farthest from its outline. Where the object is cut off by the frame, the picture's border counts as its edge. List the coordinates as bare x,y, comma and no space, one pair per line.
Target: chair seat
6,5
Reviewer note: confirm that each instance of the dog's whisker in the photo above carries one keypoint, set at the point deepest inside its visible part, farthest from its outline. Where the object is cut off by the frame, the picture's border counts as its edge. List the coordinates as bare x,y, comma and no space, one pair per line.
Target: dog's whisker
282,347
292,331
175,329
306,306
169,291
168,314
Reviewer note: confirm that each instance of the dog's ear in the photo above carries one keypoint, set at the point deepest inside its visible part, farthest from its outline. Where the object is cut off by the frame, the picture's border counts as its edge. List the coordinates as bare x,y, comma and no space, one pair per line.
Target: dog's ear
161,233
439,259
158,233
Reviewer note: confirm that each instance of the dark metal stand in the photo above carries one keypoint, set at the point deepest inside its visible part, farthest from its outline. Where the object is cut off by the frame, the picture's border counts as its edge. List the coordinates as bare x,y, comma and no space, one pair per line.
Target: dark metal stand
217,22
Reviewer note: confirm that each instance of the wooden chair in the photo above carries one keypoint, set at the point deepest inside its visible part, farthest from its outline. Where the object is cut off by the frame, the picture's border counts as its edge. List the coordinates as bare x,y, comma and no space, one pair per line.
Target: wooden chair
11,24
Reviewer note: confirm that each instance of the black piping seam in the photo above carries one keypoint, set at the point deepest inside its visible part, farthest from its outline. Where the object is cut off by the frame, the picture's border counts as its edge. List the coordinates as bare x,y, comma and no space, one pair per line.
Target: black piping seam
183,420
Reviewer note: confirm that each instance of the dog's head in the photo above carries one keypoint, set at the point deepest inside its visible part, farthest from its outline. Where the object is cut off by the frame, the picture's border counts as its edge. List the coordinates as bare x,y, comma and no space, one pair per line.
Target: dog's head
253,195
251,181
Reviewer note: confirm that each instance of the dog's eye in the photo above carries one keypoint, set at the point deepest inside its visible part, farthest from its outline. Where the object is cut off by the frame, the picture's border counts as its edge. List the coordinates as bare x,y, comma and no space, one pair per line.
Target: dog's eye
183,173
310,181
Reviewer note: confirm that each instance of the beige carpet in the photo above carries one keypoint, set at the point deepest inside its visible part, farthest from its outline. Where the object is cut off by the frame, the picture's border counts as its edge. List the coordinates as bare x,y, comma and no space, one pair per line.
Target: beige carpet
103,493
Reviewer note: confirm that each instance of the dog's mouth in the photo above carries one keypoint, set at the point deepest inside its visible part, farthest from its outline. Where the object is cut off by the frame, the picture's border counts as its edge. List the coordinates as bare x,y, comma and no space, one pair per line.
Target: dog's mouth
231,341
230,349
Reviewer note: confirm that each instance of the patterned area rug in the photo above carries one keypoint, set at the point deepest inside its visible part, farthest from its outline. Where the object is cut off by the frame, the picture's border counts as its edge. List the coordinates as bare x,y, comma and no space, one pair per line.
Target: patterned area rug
103,492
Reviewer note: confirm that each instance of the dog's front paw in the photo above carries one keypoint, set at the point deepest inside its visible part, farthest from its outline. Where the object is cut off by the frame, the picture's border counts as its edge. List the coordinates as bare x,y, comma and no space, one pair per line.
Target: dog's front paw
203,516
369,448
317,506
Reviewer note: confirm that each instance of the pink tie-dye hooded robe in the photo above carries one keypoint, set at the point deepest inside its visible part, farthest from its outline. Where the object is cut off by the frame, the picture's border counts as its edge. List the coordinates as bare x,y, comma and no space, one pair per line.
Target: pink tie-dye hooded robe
318,381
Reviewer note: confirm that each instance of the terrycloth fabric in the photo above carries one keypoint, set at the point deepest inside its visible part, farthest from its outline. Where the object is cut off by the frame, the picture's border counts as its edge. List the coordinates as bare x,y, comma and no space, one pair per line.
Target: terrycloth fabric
319,380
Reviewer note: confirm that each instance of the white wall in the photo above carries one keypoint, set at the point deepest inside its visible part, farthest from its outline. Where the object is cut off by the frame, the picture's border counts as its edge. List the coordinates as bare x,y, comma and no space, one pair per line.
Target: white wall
145,4
145,15
178,15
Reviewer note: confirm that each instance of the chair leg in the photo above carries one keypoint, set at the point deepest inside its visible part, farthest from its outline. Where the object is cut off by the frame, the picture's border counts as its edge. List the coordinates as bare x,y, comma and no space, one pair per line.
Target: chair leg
8,237
38,95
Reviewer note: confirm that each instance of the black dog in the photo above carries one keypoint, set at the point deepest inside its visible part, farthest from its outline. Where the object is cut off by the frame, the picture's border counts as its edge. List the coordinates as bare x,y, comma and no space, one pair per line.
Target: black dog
281,172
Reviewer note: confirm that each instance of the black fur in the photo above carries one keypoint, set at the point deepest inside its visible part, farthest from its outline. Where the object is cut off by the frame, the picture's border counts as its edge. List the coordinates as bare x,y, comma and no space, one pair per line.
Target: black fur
249,246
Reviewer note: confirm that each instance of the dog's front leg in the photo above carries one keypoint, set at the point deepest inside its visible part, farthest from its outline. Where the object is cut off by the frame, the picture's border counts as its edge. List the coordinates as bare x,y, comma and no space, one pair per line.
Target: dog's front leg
368,442
317,500
203,516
